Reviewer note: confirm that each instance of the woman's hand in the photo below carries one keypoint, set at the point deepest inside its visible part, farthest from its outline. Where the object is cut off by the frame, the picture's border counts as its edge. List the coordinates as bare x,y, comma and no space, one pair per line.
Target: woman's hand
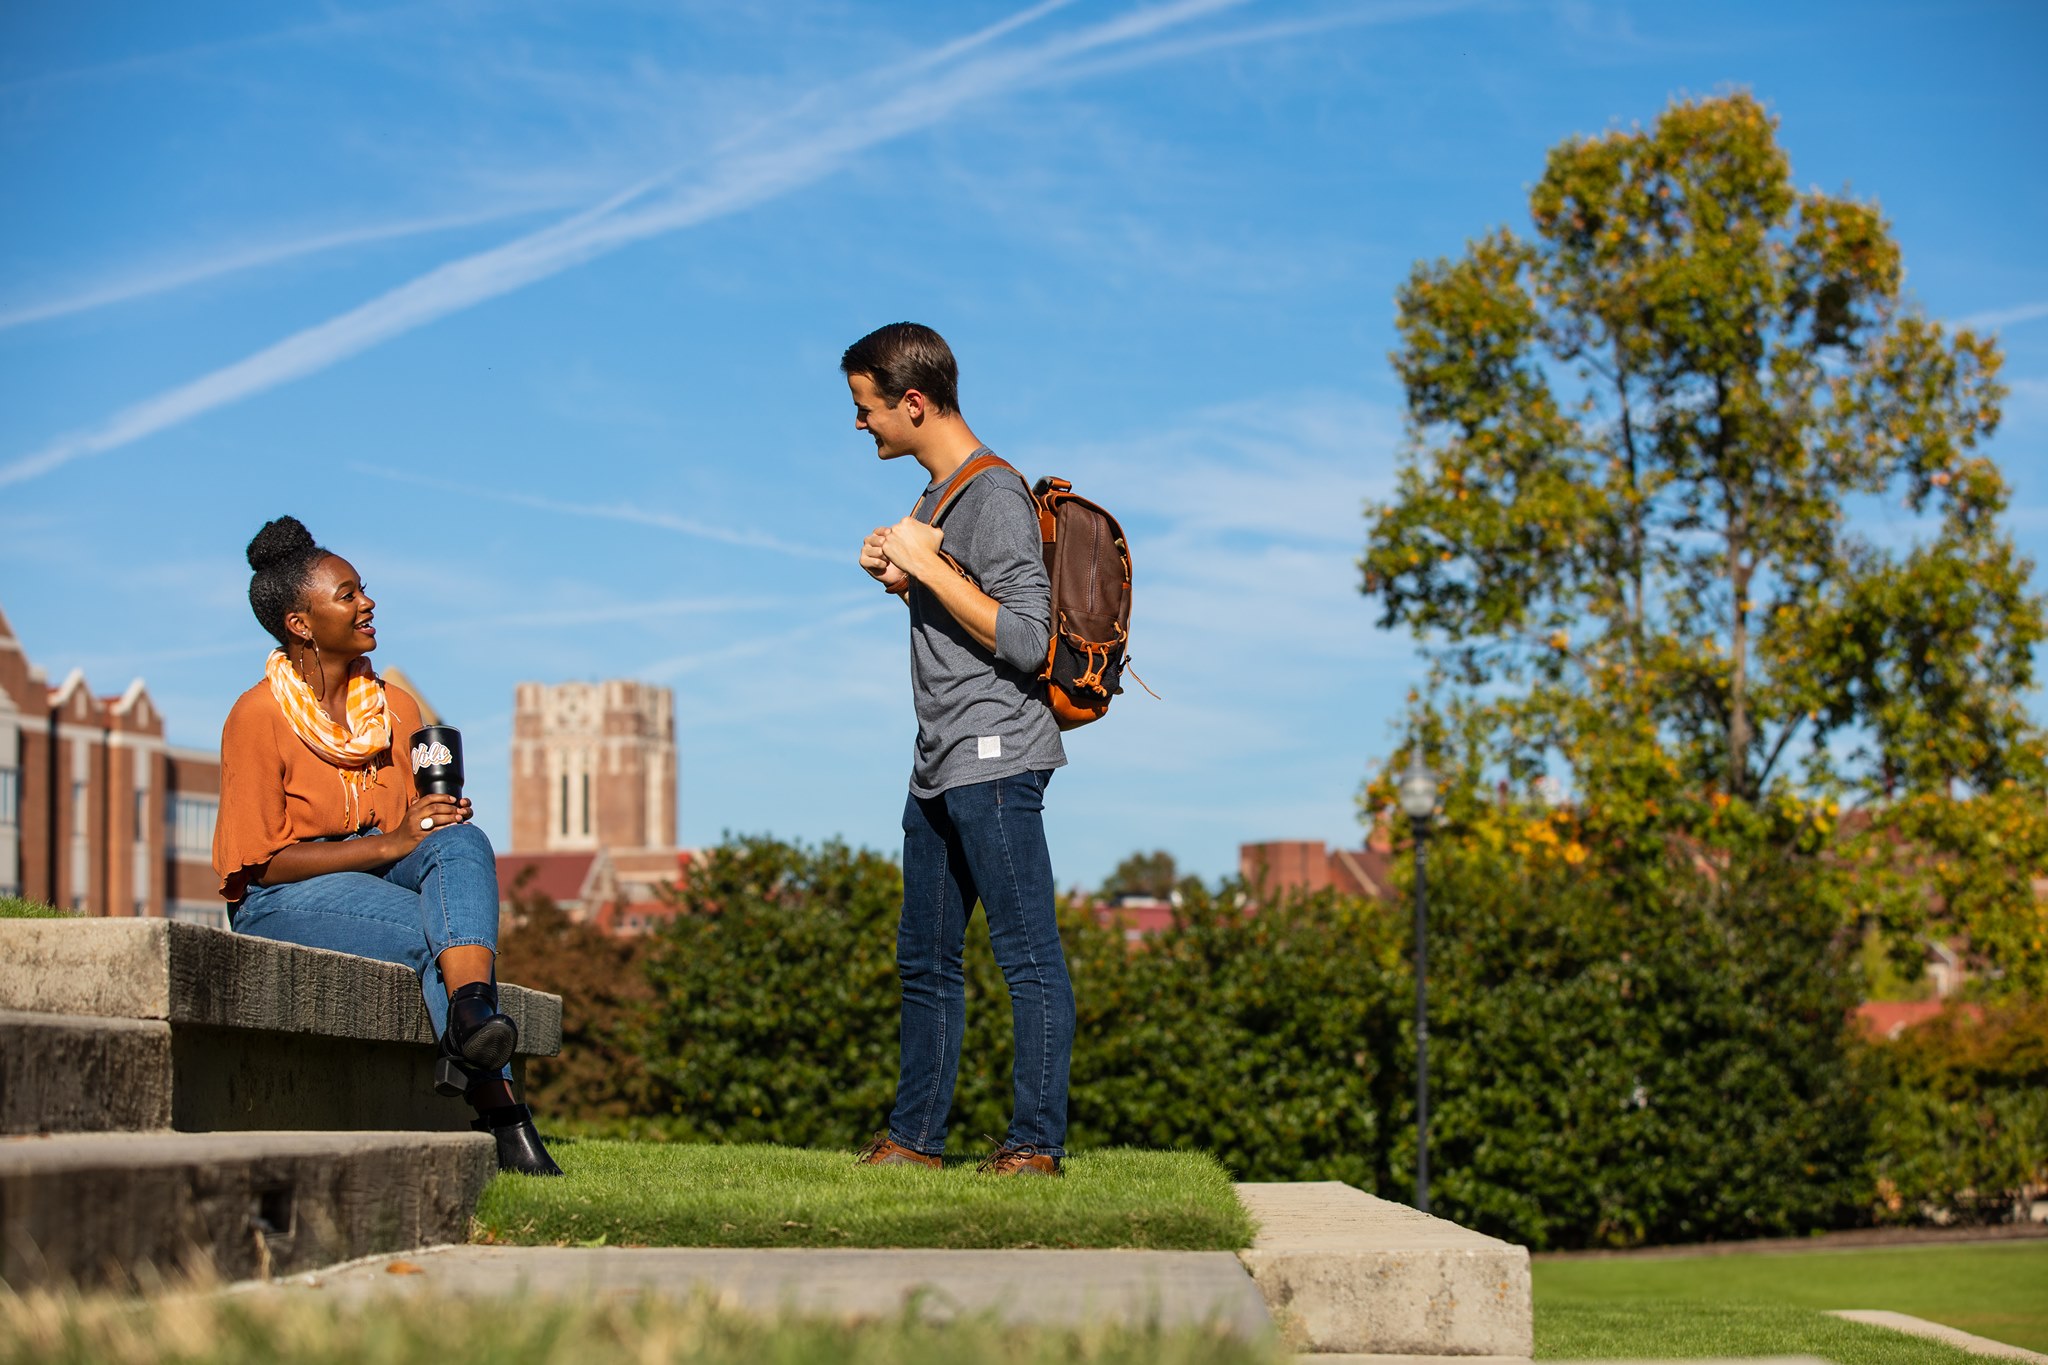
317,857
422,818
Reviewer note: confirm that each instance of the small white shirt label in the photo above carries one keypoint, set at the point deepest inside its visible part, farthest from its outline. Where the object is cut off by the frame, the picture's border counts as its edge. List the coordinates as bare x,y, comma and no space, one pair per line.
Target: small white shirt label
989,746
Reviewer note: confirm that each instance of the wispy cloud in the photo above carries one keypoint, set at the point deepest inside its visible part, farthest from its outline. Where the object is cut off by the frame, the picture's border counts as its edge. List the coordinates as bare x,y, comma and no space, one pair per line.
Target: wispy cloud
163,281
635,611
2005,317
664,670
1251,35
784,157
616,511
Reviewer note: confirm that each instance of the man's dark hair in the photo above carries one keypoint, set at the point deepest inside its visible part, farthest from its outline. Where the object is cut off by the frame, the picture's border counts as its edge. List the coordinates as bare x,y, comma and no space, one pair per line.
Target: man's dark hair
283,555
905,356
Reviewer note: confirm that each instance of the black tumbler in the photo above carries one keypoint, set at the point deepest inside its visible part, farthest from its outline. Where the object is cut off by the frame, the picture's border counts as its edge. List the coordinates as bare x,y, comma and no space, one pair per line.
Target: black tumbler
437,760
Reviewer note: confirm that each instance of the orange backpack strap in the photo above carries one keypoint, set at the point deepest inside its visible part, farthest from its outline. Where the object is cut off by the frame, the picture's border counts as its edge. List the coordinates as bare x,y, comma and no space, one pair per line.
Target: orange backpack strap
965,475
969,472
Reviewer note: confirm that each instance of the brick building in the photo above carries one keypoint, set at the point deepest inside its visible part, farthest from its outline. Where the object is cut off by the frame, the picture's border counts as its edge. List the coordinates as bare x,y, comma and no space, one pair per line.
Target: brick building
593,800
1307,865
99,813
593,766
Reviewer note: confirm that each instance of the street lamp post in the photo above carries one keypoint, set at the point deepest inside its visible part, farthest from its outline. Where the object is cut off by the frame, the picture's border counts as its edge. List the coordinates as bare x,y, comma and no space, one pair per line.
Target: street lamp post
1418,803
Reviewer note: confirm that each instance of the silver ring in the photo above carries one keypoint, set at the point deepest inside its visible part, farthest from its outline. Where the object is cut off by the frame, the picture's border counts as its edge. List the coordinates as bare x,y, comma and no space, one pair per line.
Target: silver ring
426,822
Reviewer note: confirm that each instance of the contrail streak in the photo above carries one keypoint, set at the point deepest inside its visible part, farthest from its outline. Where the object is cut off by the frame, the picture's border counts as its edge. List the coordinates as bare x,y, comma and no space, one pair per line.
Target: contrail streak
620,511
254,258
742,178
2004,317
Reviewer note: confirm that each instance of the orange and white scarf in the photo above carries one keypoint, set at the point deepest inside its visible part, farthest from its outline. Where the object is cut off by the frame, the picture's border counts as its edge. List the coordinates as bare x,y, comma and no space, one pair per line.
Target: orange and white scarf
353,749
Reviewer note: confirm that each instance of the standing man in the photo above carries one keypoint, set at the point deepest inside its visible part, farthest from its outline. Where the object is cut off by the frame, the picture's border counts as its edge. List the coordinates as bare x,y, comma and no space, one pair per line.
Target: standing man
974,826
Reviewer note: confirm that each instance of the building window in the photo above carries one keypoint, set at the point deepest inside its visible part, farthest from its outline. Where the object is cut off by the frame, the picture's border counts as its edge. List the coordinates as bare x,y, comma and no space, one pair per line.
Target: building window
10,820
586,803
189,823
565,803
81,847
141,815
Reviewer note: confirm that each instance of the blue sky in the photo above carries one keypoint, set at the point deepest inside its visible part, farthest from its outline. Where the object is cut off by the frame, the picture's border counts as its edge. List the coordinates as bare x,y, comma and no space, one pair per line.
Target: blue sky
533,310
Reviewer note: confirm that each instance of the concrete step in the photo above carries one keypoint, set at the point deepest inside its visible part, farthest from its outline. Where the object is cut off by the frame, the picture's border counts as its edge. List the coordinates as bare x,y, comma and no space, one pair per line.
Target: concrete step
261,1035
115,1209
1345,1272
1175,1288
70,1073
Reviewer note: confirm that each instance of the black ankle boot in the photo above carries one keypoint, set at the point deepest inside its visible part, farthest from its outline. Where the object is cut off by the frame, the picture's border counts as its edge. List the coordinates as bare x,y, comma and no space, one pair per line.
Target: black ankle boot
478,1036
519,1144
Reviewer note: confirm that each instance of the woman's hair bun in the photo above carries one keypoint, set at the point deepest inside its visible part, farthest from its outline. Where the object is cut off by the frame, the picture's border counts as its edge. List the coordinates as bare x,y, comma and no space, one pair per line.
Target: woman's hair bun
278,541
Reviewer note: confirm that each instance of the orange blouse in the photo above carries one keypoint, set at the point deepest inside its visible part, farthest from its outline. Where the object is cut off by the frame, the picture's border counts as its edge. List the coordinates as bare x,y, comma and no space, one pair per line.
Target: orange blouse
276,792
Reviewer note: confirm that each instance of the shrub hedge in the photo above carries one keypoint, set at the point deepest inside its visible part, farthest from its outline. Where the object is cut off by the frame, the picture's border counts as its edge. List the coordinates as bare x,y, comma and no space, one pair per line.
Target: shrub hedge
1615,1059
1261,1039
1629,1060
597,1078
1960,1114
1669,1070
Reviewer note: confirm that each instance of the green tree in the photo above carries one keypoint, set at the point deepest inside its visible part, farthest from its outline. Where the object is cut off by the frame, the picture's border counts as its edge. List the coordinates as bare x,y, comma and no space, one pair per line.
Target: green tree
1637,436
1625,528
1143,874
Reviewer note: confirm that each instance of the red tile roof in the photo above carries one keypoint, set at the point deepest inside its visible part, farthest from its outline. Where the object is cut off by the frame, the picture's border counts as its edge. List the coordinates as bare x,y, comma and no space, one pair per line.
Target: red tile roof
1886,1019
558,876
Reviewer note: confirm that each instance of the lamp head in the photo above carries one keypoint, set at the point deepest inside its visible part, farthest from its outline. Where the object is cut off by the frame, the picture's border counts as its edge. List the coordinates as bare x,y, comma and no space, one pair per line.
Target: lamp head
1418,788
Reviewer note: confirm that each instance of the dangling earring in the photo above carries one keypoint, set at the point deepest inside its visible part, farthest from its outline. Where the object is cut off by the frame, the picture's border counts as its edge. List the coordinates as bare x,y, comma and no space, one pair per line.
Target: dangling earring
319,664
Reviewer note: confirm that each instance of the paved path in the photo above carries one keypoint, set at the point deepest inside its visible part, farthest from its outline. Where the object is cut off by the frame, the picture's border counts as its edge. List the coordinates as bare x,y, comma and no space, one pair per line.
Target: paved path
1934,1331
1173,1287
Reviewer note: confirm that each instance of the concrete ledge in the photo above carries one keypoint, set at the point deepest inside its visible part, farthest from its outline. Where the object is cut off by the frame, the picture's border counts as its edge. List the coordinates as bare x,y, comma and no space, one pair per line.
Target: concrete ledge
1134,1287
1345,1272
1352,1358
65,1073
107,1209
193,974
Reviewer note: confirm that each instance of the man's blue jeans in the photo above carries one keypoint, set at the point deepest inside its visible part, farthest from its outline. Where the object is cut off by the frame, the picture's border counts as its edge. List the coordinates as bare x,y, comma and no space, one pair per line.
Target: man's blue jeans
983,841
443,894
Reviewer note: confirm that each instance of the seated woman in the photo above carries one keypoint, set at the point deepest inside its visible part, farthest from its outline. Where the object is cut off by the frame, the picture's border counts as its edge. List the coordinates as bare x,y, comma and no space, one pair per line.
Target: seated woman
322,839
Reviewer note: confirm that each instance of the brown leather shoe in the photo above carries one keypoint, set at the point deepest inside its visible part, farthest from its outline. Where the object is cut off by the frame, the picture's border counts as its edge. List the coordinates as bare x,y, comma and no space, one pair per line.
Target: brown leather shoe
883,1150
1021,1159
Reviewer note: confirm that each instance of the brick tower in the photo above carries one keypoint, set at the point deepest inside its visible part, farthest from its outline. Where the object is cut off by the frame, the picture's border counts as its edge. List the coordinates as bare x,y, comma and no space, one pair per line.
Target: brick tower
593,767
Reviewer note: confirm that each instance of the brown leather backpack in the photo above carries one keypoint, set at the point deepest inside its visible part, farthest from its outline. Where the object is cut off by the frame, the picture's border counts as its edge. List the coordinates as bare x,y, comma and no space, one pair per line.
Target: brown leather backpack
1089,563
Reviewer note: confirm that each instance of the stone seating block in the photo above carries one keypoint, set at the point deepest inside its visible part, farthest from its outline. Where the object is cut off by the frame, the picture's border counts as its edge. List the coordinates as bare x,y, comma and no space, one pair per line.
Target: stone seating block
260,1034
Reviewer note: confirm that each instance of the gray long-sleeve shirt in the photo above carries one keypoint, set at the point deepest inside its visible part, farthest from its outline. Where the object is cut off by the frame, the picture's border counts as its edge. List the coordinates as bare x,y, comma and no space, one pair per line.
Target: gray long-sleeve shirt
979,717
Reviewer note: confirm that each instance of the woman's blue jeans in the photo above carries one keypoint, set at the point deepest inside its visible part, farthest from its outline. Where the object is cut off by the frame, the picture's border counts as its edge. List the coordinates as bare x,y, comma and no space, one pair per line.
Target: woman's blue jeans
442,895
986,842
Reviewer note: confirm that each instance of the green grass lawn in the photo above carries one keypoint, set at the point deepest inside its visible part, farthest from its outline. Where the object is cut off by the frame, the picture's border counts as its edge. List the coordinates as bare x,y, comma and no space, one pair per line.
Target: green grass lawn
306,1330
686,1194
14,907
1682,1331
1771,1302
